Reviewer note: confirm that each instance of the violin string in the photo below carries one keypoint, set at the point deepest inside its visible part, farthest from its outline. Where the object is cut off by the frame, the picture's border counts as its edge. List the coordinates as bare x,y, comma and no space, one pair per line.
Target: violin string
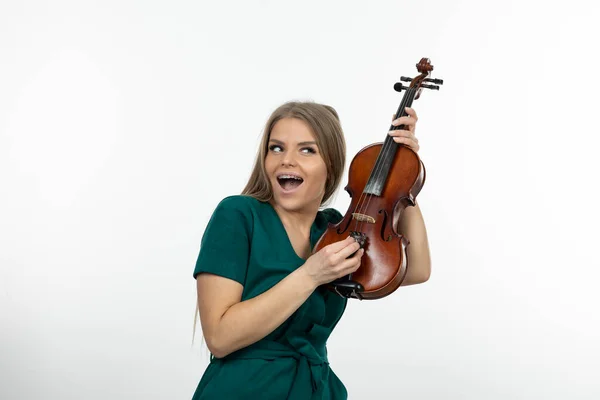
385,150
405,103
361,201
384,153
375,175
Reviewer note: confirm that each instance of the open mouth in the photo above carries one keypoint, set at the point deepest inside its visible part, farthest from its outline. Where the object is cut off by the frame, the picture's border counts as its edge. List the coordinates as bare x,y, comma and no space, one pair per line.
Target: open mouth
289,182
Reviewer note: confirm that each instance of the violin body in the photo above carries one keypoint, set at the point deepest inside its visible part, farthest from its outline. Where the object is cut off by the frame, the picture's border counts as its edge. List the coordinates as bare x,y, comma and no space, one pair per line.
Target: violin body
384,263
384,178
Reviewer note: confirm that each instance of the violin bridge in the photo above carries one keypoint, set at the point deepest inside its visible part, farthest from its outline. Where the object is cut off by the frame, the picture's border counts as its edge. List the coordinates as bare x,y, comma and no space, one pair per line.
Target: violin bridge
363,218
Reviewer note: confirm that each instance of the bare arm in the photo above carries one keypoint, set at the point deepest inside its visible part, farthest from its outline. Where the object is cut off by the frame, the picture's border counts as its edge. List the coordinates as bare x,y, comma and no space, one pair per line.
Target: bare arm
412,225
230,324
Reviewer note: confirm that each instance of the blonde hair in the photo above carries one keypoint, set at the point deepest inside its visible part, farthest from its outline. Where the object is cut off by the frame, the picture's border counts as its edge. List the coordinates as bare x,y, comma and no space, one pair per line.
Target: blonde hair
326,127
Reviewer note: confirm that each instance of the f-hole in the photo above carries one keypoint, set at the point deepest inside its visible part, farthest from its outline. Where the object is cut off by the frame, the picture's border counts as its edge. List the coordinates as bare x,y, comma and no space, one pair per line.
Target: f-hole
383,225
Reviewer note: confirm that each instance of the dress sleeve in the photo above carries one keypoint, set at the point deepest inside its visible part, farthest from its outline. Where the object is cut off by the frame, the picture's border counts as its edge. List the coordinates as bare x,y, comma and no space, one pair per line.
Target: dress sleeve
225,244
332,215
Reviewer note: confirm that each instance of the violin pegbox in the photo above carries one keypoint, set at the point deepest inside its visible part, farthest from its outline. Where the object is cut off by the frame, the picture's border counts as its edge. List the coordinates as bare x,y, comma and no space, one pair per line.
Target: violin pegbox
424,67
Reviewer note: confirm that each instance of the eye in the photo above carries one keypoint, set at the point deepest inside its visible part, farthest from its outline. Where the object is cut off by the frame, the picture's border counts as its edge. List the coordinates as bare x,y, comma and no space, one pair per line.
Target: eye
273,147
310,150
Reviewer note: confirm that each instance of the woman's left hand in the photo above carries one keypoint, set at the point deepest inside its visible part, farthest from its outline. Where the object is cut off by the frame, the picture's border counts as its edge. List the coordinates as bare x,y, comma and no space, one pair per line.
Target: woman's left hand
406,136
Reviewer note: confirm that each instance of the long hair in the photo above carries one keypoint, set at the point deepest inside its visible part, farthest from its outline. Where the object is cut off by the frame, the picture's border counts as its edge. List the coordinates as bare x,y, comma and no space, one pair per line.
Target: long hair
325,125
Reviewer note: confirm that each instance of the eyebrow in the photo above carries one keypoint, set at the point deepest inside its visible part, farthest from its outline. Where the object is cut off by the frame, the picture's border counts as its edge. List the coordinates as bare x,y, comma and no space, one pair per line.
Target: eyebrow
300,144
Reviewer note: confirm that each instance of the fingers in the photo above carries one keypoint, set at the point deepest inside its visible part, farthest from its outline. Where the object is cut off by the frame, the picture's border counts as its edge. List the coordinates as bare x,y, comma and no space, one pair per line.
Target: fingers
407,138
403,133
409,121
337,252
347,251
410,142
412,113
407,135
339,245
351,264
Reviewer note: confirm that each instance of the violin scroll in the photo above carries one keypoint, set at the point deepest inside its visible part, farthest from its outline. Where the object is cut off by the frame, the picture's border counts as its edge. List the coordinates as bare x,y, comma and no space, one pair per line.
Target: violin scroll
424,67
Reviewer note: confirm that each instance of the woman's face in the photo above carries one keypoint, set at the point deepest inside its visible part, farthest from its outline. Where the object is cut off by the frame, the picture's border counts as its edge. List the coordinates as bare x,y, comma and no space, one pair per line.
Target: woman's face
294,165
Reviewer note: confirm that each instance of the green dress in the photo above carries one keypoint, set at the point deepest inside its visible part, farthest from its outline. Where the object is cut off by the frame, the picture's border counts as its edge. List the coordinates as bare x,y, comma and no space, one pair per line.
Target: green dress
246,241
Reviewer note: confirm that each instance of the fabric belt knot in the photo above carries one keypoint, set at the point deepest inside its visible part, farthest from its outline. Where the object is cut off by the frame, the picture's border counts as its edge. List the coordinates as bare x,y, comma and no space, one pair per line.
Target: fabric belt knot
312,368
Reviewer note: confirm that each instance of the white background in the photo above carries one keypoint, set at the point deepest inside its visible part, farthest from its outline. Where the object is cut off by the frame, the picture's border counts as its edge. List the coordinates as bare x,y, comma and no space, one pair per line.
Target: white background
123,123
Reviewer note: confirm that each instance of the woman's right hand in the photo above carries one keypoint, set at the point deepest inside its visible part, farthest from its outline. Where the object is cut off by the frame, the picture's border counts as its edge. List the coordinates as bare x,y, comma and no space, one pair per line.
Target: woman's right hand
330,263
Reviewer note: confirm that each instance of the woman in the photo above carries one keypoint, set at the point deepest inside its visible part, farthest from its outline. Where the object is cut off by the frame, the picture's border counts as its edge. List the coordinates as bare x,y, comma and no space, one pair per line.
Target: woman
263,310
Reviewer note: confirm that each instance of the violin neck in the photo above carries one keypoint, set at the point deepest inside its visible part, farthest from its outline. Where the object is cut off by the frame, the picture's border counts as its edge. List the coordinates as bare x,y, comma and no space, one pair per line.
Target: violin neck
382,166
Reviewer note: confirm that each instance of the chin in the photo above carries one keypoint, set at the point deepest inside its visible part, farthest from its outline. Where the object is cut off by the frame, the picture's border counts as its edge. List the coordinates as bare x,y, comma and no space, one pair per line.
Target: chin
296,203
288,203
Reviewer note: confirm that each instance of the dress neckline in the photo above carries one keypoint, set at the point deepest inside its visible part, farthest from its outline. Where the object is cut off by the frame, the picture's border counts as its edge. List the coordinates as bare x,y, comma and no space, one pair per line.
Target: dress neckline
287,237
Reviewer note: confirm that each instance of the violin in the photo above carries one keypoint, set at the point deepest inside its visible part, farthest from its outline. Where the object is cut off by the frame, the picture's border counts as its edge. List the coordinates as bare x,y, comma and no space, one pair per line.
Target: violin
383,179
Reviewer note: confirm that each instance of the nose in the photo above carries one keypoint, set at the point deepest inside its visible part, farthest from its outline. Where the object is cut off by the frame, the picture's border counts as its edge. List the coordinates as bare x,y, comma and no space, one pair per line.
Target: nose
288,158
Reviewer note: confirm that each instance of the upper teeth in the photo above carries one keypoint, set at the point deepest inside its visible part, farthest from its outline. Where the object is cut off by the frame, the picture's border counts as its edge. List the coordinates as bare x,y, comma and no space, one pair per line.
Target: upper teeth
289,177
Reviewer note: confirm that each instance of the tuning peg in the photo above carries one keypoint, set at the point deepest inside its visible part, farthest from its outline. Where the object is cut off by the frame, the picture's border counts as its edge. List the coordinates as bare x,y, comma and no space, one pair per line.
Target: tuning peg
398,87
432,80
431,87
